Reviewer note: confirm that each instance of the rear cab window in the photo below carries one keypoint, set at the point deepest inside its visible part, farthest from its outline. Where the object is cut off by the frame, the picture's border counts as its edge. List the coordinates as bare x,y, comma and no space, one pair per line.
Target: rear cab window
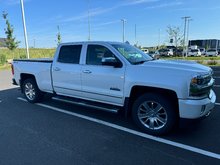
70,54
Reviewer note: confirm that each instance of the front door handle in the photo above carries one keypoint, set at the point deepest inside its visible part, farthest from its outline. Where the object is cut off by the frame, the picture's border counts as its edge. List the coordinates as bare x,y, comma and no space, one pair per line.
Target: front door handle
56,69
87,71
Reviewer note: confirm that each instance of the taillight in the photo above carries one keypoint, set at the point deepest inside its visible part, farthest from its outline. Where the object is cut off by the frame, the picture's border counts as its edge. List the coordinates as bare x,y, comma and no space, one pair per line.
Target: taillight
12,69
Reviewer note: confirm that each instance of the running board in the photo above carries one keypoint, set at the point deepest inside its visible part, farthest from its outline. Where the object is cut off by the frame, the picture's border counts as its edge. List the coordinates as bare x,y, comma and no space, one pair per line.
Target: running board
90,104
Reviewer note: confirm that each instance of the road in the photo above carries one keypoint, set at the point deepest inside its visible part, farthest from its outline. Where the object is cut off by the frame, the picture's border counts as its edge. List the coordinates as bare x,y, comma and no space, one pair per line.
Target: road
54,132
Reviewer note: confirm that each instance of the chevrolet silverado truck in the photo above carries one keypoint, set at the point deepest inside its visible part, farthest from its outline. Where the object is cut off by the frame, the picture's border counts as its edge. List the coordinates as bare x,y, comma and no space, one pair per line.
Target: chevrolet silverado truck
118,76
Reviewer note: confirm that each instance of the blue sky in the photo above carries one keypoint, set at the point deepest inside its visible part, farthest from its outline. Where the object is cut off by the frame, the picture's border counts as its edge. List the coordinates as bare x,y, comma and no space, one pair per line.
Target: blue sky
150,17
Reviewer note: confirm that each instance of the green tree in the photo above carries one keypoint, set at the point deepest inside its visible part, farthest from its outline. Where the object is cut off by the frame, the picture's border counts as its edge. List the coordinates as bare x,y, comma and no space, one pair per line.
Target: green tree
11,42
58,36
175,35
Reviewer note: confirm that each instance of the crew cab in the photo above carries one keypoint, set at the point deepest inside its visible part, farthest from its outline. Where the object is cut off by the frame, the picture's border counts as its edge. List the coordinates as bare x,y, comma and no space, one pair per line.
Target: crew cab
118,76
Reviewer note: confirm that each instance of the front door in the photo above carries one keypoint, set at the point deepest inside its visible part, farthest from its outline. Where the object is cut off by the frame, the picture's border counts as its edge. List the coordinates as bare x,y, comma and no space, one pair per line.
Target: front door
100,82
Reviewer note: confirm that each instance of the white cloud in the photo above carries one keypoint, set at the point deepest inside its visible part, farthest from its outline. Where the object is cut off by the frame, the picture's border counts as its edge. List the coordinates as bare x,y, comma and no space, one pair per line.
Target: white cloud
15,2
99,10
136,2
92,12
108,23
164,5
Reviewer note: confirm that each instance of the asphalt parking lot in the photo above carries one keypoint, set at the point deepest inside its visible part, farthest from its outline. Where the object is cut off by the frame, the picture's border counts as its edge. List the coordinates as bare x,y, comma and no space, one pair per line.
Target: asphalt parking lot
54,132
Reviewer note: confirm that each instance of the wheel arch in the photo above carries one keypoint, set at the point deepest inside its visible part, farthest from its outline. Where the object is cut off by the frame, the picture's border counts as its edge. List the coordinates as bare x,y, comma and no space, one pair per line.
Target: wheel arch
137,91
25,76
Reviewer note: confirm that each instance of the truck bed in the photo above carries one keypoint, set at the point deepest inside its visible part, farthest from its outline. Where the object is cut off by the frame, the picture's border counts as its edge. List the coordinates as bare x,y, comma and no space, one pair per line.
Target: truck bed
47,60
40,68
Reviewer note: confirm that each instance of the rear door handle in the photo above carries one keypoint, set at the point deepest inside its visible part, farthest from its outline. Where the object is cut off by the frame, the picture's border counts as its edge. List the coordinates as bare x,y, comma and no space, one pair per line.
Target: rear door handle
56,69
87,71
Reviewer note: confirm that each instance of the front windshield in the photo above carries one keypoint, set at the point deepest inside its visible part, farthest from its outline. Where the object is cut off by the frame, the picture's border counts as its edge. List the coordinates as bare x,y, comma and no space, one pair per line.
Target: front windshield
194,50
132,54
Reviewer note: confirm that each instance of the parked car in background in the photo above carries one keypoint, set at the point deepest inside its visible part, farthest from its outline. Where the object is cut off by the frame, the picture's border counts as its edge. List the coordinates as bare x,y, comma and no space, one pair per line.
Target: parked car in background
154,54
211,52
178,52
218,51
145,50
194,52
165,52
202,50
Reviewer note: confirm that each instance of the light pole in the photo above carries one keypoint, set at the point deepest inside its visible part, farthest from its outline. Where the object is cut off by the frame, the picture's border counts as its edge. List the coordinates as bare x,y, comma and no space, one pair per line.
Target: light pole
24,26
187,37
135,34
159,38
89,35
184,35
123,29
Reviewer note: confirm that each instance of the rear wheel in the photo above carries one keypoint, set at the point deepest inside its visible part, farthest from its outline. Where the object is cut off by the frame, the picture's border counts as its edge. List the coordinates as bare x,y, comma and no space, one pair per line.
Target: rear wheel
154,114
31,91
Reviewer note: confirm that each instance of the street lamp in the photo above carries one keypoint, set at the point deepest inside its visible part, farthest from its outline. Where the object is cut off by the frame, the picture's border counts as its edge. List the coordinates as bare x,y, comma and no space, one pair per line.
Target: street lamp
123,29
187,38
89,26
24,26
184,35
159,31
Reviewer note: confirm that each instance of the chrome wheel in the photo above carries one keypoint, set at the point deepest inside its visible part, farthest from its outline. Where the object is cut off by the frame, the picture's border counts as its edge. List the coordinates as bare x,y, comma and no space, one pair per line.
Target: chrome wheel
30,91
152,115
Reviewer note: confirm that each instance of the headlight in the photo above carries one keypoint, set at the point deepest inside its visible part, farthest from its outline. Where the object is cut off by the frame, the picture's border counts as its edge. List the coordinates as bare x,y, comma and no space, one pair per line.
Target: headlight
200,85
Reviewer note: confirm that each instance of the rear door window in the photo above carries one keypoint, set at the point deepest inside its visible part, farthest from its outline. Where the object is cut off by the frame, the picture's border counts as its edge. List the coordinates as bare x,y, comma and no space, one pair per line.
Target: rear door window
70,54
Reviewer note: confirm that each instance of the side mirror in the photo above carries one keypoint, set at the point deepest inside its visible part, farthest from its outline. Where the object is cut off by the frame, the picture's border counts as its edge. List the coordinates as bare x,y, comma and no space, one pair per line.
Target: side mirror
111,61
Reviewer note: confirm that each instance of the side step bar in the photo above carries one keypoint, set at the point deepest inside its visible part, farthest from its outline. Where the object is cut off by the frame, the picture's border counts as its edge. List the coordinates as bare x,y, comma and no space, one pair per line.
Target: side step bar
90,104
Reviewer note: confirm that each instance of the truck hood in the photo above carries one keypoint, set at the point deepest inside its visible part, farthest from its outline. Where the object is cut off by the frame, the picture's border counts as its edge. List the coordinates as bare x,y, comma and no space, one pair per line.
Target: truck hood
181,65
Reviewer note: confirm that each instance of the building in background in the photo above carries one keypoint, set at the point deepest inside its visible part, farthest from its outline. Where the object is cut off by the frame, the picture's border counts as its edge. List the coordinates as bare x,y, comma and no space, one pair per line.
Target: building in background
2,42
208,44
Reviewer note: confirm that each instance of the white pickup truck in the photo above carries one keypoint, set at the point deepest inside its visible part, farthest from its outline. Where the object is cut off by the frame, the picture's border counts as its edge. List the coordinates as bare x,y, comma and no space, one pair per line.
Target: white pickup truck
114,75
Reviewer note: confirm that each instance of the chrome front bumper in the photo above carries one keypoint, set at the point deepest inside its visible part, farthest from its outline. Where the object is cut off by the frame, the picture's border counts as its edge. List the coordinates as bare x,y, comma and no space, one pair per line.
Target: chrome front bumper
193,109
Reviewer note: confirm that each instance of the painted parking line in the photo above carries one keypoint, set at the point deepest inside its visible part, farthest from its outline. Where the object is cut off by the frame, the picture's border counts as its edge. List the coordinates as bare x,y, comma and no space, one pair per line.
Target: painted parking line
217,86
217,103
143,135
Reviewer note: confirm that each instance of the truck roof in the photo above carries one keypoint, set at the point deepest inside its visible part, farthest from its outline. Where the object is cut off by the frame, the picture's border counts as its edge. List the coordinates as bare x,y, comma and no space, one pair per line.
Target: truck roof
82,42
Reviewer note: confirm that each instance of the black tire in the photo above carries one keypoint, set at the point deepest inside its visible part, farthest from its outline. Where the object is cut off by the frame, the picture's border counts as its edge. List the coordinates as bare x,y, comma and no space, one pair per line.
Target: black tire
154,114
31,91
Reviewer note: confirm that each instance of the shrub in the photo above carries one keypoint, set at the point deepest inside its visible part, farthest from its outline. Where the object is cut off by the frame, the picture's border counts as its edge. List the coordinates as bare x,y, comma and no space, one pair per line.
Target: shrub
200,61
212,62
2,59
22,56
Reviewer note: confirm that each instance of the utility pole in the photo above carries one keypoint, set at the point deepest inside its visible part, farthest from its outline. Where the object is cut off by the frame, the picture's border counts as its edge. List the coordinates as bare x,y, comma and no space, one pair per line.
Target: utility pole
159,39
135,33
24,26
184,35
34,42
123,29
89,35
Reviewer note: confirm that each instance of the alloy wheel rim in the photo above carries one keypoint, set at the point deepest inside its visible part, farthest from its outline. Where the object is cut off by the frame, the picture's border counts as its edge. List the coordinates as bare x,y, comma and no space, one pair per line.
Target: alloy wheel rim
152,115
30,91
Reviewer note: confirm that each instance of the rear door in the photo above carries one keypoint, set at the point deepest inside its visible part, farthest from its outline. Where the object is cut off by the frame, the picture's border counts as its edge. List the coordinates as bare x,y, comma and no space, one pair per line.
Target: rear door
66,71
102,83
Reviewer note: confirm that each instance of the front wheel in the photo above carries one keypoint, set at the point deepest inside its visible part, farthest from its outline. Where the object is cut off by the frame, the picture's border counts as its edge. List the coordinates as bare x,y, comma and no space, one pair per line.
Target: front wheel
154,114
31,91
